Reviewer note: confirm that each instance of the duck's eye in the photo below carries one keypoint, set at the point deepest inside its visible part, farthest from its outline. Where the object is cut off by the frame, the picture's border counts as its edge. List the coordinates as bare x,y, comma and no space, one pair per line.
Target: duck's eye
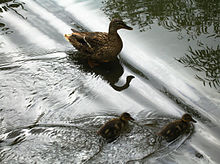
120,22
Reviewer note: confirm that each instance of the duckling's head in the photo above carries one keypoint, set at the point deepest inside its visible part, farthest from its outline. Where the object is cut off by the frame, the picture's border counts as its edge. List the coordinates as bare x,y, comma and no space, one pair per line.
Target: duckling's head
117,24
187,118
126,117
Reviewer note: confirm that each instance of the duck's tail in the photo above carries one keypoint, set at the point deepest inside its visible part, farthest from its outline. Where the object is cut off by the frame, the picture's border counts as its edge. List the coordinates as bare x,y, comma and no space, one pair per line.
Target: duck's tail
73,30
67,36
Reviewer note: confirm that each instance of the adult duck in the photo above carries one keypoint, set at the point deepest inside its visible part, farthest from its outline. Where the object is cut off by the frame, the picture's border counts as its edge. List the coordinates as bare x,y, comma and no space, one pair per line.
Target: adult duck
99,46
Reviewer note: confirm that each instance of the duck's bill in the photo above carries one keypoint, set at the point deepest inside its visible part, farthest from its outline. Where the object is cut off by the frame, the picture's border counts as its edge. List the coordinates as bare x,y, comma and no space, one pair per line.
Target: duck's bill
132,119
128,27
193,120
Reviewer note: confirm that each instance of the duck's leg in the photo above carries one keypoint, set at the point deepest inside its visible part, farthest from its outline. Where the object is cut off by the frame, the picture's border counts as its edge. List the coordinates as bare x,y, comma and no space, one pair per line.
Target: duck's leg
92,63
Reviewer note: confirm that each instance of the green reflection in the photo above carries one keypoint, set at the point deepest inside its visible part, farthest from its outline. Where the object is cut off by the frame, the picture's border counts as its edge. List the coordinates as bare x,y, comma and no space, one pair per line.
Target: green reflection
206,61
175,15
192,19
6,6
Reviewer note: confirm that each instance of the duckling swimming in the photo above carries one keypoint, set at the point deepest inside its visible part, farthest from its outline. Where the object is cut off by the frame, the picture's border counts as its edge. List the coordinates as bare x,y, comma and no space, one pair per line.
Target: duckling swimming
112,129
99,46
176,128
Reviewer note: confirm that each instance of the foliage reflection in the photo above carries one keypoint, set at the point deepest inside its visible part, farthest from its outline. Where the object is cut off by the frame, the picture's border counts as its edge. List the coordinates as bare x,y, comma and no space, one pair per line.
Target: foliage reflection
191,19
193,16
9,5
206,60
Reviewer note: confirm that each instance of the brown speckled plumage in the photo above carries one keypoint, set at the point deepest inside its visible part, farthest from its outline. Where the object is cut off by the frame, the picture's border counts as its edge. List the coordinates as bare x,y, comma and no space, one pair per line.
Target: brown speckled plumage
113,128
99,46
176,128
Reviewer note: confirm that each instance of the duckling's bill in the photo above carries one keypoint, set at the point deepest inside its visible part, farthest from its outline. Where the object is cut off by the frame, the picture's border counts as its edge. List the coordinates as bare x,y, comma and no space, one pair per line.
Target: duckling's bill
193,120
129,118
67,37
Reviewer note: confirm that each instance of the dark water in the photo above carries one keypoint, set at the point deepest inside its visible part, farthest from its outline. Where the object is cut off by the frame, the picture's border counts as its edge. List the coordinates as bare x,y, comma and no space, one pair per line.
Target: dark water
51,103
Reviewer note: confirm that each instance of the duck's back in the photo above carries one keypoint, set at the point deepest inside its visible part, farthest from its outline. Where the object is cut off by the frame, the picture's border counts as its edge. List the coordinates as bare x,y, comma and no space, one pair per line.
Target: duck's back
88,42
105,47
97,45
173,130
111,129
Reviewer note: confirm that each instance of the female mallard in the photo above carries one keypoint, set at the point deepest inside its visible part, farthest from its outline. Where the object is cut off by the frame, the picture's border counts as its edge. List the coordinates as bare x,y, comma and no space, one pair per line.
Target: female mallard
99,46
112,129
176,128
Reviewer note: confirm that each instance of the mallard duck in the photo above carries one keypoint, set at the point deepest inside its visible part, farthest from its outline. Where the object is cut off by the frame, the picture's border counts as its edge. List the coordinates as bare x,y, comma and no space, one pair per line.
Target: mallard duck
112,129
99,46
176,128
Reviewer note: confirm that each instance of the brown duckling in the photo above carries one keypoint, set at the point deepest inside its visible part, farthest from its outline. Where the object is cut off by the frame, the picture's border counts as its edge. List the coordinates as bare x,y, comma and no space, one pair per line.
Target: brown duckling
99,46
176,128
112,129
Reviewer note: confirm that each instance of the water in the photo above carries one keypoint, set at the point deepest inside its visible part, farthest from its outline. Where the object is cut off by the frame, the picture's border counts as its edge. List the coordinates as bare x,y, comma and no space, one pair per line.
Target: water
52,103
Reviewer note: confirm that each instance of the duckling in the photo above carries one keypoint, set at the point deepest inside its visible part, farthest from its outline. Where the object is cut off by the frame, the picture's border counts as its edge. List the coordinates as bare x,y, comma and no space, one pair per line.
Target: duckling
176,128
99,46
112,129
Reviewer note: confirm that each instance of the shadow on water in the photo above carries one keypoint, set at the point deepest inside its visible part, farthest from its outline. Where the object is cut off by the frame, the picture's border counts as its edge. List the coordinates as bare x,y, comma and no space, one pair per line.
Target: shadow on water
186,108
191,19
110,72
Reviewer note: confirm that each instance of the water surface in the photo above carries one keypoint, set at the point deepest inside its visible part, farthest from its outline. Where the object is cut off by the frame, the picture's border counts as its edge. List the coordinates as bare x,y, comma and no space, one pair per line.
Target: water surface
52,103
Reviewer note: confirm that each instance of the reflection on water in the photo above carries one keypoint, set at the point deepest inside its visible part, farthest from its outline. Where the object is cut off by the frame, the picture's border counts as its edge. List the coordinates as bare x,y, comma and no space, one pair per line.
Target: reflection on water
111,72
40,82
206,61
9,5
193,16
186,107
4,29
191,19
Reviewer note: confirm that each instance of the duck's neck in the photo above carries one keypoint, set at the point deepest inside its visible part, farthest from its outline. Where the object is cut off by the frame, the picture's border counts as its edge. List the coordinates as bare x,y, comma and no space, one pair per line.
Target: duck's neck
186,122
114,37
124,121
112,31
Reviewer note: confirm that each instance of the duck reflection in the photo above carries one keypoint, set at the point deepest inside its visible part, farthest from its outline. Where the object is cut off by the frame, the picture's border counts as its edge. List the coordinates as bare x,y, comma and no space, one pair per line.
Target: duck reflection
111,71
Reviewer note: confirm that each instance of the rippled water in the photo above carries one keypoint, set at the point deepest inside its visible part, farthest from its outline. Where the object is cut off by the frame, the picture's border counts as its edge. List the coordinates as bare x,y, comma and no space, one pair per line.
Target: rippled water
52,103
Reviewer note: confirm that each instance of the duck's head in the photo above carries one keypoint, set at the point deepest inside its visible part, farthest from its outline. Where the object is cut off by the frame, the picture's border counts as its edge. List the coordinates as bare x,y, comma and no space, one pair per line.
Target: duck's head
117,24
126,117
187,118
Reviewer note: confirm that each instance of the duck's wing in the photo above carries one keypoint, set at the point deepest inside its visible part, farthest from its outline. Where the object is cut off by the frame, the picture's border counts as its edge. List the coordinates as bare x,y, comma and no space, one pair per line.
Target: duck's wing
172,130
111,129
88,41
96,38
